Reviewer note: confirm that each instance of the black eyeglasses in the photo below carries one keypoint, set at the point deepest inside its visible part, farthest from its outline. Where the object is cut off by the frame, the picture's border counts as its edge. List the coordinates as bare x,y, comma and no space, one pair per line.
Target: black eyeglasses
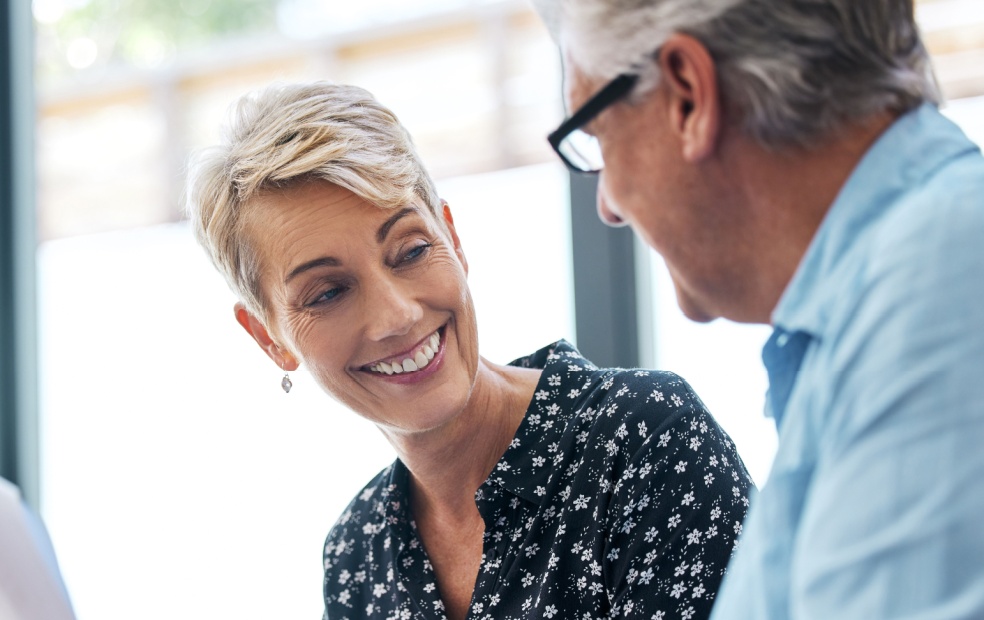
580,150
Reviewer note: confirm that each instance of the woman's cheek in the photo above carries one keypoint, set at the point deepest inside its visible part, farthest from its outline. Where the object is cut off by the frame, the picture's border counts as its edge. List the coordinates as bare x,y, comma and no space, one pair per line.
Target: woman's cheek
300,329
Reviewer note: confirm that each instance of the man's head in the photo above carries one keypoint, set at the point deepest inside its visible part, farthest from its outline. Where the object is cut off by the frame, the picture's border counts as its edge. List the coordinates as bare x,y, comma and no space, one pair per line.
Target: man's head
790,69
729,95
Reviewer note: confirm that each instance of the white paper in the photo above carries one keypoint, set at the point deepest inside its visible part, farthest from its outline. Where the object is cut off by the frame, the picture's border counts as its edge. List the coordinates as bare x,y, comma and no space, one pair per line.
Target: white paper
28,589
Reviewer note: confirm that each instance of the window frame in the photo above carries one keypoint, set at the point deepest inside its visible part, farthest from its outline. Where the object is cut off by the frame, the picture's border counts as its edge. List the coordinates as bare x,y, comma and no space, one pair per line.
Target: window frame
18,246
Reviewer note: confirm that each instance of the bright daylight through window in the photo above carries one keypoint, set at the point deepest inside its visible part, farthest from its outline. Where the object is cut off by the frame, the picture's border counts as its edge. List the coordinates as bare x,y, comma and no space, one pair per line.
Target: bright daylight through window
178,481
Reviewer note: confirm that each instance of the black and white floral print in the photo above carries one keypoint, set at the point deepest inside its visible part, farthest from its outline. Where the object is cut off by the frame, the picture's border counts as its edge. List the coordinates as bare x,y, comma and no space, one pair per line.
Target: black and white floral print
619,497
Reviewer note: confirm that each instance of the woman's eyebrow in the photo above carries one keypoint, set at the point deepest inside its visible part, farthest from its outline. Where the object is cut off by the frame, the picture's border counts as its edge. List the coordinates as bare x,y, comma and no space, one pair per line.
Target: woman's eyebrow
330,261
388,224
324,261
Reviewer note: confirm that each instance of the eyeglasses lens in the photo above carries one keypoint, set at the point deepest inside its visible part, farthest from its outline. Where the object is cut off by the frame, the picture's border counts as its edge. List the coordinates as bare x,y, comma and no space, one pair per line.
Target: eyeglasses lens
583,151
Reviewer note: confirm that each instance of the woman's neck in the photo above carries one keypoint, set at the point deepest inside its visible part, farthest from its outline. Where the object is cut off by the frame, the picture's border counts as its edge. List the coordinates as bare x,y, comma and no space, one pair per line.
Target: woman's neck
448,464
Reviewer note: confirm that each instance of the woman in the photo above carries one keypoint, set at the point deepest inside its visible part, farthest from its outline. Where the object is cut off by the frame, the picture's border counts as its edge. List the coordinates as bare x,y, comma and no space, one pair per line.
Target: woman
544,488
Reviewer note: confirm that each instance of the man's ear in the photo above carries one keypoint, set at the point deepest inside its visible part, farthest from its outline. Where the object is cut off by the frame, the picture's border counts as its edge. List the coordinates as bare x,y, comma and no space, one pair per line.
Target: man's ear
690,77
449,222
255,328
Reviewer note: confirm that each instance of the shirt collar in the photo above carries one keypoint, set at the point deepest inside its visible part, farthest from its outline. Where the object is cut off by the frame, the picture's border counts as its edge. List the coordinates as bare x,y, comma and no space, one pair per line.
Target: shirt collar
514,471
395,503
912,148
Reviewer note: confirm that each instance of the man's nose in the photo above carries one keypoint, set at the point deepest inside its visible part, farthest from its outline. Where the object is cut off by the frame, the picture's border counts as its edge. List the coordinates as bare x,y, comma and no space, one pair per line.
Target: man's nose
607,210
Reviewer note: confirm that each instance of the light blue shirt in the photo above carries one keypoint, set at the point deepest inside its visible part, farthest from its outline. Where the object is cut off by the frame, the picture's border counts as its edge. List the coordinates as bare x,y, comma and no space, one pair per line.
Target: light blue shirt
875,504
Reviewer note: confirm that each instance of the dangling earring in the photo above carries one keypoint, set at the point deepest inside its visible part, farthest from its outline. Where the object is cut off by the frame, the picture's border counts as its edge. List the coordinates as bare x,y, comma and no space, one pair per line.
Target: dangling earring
285,382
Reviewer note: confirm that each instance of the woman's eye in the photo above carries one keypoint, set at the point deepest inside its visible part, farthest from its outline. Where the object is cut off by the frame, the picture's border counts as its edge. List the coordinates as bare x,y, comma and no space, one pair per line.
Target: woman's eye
329,295
416,252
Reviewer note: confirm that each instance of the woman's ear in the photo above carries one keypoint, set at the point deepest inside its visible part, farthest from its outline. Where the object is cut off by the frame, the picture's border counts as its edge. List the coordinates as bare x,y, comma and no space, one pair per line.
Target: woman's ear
449,222
255,328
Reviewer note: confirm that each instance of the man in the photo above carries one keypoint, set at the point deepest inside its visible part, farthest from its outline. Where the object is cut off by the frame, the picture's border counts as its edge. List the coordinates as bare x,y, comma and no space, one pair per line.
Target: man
788,161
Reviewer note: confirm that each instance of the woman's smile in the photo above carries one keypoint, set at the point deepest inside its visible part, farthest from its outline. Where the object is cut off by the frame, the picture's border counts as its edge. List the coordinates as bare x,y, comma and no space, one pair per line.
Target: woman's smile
419,362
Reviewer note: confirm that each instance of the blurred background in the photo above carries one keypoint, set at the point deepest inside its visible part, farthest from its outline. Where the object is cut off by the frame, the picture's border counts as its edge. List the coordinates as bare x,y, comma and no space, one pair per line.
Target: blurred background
176,478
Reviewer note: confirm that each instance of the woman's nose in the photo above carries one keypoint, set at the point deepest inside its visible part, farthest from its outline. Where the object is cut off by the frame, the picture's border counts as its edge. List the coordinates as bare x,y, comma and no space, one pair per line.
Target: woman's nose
391,309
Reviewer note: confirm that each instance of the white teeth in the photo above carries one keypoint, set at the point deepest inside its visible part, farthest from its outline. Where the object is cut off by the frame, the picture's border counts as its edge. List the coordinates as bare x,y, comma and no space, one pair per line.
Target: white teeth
420,359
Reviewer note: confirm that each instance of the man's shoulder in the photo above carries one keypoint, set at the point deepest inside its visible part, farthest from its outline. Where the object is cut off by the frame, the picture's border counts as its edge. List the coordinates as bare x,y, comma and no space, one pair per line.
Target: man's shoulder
919,254
927,247
943,207
904,307
911,213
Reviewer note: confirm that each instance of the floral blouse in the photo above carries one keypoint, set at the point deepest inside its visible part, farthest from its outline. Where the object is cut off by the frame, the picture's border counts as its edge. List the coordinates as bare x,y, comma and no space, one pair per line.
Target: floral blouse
619,496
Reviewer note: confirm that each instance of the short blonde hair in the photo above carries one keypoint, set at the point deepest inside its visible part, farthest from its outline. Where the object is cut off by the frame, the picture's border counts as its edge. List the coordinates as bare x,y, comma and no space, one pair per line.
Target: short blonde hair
285,135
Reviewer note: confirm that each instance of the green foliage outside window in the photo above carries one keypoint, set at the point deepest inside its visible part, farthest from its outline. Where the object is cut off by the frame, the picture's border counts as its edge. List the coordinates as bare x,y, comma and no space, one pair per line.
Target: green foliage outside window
83,34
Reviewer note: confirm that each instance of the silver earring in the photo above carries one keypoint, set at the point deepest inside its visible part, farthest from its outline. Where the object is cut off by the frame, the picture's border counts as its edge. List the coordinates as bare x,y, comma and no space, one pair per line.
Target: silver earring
285,382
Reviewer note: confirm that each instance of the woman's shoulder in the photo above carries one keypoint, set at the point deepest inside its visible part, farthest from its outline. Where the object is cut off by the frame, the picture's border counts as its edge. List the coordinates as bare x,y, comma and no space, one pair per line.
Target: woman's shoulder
647,389
642,410
653,399
649,427
564,367
608,403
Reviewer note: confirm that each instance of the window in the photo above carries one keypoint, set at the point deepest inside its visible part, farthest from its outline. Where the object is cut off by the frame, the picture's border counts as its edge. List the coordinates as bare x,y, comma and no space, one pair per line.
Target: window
177,479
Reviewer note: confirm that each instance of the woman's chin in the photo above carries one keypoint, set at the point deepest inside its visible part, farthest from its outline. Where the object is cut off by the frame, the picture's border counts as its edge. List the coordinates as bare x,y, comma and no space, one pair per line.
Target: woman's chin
421,399
414,407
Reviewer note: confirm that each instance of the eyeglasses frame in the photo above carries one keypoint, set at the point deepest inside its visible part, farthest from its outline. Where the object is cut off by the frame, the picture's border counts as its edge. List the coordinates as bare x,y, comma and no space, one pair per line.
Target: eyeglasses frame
619,87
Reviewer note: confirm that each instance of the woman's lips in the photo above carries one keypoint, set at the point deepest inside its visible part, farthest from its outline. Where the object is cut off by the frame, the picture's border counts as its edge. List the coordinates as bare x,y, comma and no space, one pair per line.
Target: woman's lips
423,373
412,361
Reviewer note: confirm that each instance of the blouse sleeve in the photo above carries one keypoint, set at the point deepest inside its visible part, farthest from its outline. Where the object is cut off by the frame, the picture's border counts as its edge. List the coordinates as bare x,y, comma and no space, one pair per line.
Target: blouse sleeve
676,510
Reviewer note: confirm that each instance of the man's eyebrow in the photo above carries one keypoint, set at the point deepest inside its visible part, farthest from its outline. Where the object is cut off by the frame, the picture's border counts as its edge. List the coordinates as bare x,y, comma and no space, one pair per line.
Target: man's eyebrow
324,261
388,224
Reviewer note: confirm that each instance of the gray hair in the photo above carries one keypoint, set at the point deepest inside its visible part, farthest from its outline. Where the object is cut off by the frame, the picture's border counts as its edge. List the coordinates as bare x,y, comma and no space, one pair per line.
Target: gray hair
791,69
283,136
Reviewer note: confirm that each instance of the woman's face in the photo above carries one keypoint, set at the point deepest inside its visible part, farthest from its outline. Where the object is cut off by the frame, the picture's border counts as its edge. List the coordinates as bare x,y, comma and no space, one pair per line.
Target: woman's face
373,301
